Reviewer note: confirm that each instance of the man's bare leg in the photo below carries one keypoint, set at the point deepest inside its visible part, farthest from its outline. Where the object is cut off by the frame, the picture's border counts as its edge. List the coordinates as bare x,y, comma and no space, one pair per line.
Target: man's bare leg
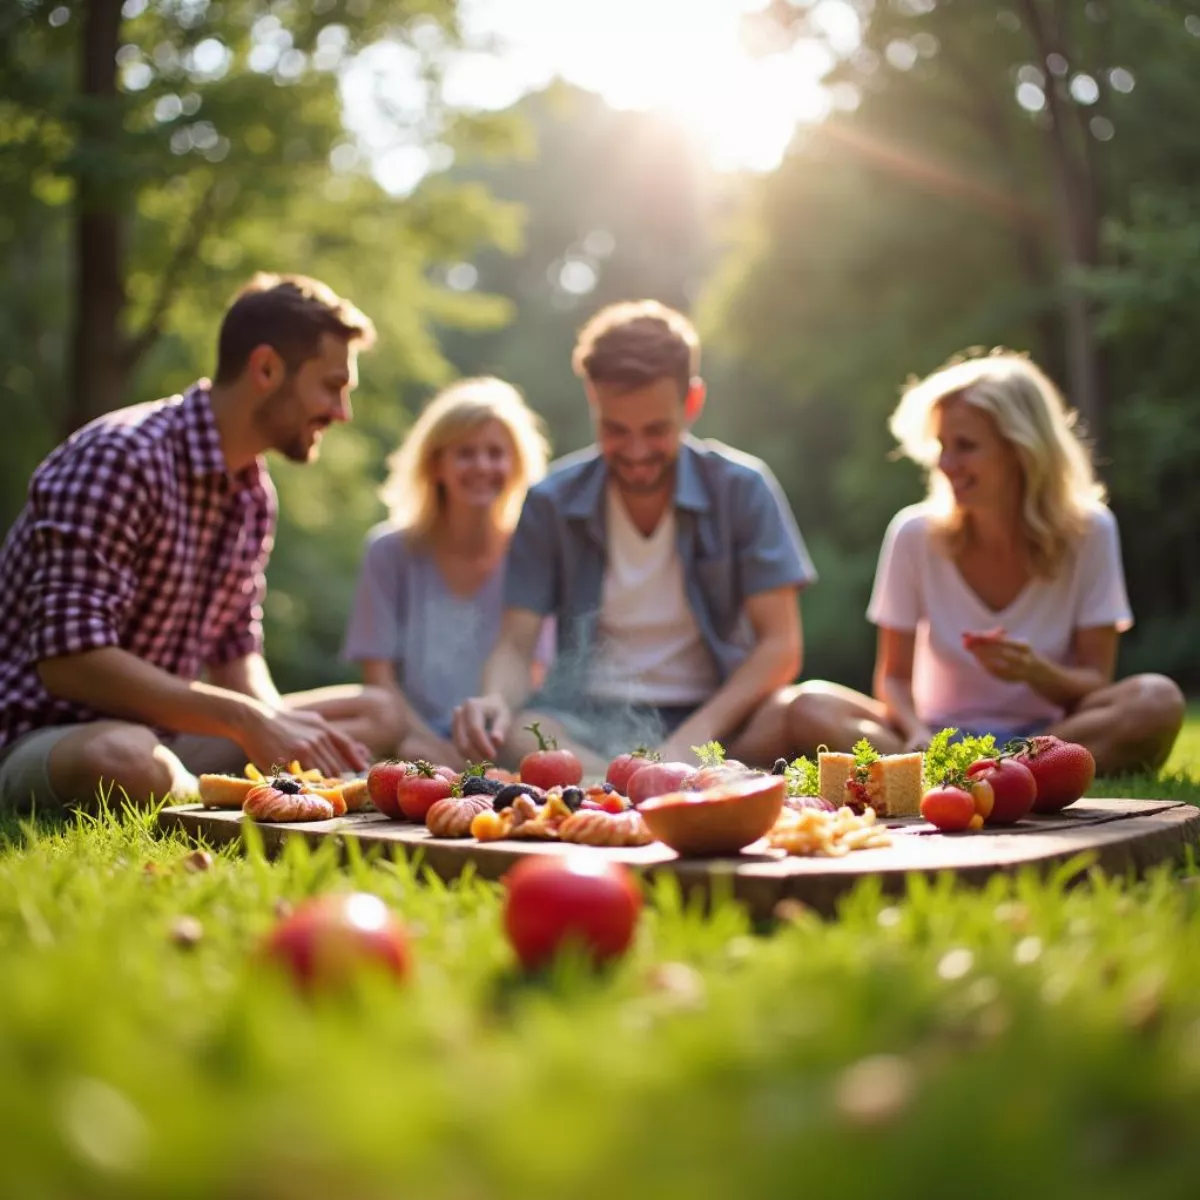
119,755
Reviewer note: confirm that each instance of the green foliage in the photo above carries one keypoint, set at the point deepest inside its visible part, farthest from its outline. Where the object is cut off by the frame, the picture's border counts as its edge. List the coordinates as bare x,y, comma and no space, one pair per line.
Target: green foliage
803,777
228,153
711,754
946,760
864,755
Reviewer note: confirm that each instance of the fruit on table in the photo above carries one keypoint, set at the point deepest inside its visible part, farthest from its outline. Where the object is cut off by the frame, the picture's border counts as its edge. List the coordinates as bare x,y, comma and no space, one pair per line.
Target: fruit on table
580,899
717,773
1013,788
548,766
624,766
719,820
328,940
1062,770
951,809
657,779
383,782
420,788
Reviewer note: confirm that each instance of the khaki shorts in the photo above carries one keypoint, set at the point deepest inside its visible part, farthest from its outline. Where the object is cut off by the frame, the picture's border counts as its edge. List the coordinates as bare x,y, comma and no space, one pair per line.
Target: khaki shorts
25,765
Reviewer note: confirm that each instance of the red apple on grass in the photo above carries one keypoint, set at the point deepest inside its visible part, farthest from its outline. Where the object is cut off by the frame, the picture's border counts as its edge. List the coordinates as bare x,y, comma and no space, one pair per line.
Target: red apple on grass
329,940
575,899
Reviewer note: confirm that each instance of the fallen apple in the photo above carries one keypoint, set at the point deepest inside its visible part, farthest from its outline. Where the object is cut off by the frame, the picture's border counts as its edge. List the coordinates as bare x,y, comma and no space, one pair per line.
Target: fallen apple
329,940
574,899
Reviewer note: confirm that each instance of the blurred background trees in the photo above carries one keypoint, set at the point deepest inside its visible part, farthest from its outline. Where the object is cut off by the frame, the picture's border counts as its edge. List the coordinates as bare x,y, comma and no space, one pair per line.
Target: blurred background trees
1020,173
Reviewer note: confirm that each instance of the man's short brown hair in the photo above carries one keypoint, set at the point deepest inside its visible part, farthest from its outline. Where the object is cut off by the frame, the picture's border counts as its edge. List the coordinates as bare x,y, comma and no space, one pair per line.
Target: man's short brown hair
289,313
635,343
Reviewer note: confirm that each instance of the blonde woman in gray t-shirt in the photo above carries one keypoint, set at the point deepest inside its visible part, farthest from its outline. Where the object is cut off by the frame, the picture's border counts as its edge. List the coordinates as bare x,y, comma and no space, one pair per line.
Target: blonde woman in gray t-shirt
1000,599
427,606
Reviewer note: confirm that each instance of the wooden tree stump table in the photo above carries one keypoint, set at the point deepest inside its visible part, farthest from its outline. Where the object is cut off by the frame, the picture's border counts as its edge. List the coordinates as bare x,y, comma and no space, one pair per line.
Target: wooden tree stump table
1123,836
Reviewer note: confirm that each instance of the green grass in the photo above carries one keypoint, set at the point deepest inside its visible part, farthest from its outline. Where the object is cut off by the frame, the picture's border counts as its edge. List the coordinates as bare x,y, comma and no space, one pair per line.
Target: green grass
1028,1039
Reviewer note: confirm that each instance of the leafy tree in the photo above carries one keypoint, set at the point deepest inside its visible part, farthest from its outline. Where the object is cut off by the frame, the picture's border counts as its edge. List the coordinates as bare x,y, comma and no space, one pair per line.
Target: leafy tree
152,157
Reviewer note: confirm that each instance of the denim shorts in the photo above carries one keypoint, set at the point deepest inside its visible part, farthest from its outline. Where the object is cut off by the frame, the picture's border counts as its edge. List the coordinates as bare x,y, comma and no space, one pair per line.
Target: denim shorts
1001,734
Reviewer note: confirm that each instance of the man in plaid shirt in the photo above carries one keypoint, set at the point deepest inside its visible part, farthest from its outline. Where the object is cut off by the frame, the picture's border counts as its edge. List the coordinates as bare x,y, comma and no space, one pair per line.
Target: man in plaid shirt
131,585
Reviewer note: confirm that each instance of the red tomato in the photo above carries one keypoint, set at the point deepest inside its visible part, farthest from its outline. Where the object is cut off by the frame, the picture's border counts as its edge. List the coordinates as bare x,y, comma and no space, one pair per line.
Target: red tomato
1013,787
548,766
1062,770
421,788
330,939
579,898
383,781
623,767
657,779
949,808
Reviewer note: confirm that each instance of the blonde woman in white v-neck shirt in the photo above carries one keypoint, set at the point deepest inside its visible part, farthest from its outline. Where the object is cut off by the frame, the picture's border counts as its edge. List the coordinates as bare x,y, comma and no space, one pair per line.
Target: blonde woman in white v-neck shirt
1000,599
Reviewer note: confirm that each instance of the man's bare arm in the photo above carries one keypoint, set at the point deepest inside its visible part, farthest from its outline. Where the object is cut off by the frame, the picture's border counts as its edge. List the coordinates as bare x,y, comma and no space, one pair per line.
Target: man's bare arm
774,662
119,684
248,676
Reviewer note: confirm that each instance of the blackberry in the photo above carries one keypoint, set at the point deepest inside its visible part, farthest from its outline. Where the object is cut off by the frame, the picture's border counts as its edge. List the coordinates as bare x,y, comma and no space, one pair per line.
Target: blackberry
573,798
479,785
780,767
286,784
510,791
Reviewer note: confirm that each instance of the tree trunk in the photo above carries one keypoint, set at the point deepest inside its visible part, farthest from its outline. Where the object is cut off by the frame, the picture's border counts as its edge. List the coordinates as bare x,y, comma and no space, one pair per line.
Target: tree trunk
97,375
1080,240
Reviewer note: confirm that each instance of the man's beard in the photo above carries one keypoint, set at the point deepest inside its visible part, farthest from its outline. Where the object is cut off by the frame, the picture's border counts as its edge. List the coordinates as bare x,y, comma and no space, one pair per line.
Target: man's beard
275,424
659,481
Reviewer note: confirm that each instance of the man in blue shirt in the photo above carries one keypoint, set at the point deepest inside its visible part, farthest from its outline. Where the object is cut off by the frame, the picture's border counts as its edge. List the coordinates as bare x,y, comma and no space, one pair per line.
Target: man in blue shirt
672,566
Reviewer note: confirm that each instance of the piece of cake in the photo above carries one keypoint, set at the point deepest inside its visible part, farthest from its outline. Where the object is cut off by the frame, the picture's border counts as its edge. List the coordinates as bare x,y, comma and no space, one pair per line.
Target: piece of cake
894,785
833,771
891,785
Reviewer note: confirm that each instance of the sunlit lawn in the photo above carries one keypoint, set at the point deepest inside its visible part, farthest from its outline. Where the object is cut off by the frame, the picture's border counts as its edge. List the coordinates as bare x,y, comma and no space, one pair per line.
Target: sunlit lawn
1023,1040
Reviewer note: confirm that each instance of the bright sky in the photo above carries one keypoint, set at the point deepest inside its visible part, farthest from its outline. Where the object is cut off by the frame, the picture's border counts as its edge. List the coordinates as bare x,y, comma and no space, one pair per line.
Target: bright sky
685,57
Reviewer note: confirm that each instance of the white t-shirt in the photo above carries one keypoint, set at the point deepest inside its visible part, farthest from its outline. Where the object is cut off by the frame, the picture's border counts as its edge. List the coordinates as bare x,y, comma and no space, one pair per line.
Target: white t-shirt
649,648
918,588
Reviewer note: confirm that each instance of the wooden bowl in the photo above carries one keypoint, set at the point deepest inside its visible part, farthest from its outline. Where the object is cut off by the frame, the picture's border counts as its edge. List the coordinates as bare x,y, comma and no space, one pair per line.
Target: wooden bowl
718,820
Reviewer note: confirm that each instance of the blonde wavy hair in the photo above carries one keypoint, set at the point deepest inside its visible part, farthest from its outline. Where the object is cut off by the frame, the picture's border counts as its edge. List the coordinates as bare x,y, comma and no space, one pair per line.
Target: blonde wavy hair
1060,488
411,493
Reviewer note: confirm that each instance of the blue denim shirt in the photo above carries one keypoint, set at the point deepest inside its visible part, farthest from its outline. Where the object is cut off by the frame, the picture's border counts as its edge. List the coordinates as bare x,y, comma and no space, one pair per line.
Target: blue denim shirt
736,537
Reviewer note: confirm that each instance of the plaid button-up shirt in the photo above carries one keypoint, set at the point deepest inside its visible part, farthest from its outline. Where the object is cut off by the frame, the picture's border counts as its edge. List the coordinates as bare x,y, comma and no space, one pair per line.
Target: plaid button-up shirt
134,535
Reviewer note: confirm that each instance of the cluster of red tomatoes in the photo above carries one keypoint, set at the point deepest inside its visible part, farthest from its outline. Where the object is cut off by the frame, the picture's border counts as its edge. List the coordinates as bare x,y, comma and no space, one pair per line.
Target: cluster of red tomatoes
1043,775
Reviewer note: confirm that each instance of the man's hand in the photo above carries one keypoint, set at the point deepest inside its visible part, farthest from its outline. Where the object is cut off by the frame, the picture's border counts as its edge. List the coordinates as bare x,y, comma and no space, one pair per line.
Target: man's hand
480,727
281,735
